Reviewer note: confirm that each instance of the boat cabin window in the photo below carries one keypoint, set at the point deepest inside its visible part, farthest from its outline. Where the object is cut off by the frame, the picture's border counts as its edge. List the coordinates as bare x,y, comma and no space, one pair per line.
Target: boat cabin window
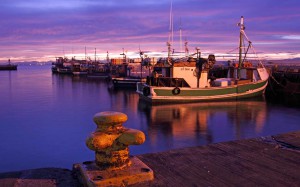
256,76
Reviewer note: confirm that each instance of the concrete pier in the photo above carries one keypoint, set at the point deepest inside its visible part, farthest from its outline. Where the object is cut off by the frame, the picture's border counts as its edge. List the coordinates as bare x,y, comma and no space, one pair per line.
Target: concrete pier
264,161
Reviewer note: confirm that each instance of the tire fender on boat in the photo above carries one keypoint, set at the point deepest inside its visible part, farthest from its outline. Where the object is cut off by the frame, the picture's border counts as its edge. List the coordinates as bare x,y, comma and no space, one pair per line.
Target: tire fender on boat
146,91
176,91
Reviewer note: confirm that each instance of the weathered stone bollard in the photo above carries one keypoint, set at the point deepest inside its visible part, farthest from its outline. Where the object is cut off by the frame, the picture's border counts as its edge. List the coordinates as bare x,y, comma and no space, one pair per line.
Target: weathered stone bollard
113,166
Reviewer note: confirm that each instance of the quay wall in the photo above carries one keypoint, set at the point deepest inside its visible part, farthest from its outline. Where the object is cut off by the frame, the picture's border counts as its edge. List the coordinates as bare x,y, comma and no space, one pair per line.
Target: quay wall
284,84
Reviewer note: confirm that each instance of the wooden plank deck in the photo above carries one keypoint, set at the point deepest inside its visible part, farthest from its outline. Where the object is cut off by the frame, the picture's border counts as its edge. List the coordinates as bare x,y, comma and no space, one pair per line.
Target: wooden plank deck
267,161
271,161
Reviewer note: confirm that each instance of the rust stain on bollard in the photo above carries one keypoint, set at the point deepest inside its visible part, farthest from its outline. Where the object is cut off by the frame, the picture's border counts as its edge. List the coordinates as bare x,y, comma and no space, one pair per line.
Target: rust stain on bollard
113,165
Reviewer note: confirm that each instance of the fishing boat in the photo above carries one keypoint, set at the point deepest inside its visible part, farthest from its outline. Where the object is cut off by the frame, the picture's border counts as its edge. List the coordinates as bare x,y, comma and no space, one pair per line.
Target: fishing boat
129,72
62,65
79,68
99,70
189,81
8,66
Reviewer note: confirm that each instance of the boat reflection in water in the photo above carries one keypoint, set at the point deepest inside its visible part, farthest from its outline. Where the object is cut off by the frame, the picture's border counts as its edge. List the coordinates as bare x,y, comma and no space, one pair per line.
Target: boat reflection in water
195,124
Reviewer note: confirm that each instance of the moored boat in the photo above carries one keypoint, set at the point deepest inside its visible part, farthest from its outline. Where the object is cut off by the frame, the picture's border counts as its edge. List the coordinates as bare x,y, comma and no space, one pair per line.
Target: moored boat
133,73
98,70
79,68
130,72
8,66
189,81
123,82
61,66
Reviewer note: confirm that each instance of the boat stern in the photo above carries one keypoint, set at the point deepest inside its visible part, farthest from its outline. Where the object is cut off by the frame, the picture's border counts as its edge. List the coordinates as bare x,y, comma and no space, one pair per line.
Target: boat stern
144,90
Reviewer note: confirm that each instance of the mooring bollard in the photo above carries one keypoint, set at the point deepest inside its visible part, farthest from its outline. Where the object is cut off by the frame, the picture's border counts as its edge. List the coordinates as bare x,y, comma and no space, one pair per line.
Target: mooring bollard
113,165
110,141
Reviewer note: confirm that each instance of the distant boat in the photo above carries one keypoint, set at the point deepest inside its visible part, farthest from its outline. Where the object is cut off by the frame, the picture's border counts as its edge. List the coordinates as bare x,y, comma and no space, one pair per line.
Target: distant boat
79,69
64,65
189,81
128,72
98,70
8,66
127,75
123,82
61,66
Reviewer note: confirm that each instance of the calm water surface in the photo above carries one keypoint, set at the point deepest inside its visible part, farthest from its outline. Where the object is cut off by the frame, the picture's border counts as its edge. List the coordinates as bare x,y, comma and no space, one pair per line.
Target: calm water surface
46,118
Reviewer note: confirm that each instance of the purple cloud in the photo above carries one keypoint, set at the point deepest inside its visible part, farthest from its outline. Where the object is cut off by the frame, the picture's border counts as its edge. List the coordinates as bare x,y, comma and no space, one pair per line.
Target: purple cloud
44,28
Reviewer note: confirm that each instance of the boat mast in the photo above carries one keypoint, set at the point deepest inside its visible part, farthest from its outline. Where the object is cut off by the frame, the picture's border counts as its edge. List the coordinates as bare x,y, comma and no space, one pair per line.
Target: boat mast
170,40
169,52
95,55
107,57
198,66
142,60
242,28
180,39
171,36
186,49
124,56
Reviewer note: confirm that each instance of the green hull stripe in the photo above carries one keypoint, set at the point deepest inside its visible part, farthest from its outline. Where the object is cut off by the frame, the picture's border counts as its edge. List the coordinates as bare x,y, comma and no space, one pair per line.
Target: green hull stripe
164,94
213,91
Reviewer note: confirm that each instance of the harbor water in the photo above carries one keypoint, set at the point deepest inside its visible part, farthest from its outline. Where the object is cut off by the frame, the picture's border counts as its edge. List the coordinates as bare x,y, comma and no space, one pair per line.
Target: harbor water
45,119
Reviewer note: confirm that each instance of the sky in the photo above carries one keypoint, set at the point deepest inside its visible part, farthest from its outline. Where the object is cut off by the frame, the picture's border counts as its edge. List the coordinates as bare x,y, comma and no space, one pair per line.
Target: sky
40,30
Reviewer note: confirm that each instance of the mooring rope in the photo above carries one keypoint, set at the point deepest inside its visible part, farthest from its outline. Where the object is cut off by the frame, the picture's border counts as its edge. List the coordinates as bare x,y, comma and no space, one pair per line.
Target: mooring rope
293,90
277,81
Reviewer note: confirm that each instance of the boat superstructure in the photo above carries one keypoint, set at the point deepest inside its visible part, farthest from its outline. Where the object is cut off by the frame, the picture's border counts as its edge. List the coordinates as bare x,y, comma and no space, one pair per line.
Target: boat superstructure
190,81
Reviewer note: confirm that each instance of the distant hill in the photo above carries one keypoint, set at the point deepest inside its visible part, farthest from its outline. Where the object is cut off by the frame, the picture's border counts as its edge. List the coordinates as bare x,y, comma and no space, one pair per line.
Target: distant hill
285,61
33,63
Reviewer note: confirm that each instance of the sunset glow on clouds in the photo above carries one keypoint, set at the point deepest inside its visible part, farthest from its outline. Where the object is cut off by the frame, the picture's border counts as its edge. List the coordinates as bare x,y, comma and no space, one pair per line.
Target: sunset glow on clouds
43,29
